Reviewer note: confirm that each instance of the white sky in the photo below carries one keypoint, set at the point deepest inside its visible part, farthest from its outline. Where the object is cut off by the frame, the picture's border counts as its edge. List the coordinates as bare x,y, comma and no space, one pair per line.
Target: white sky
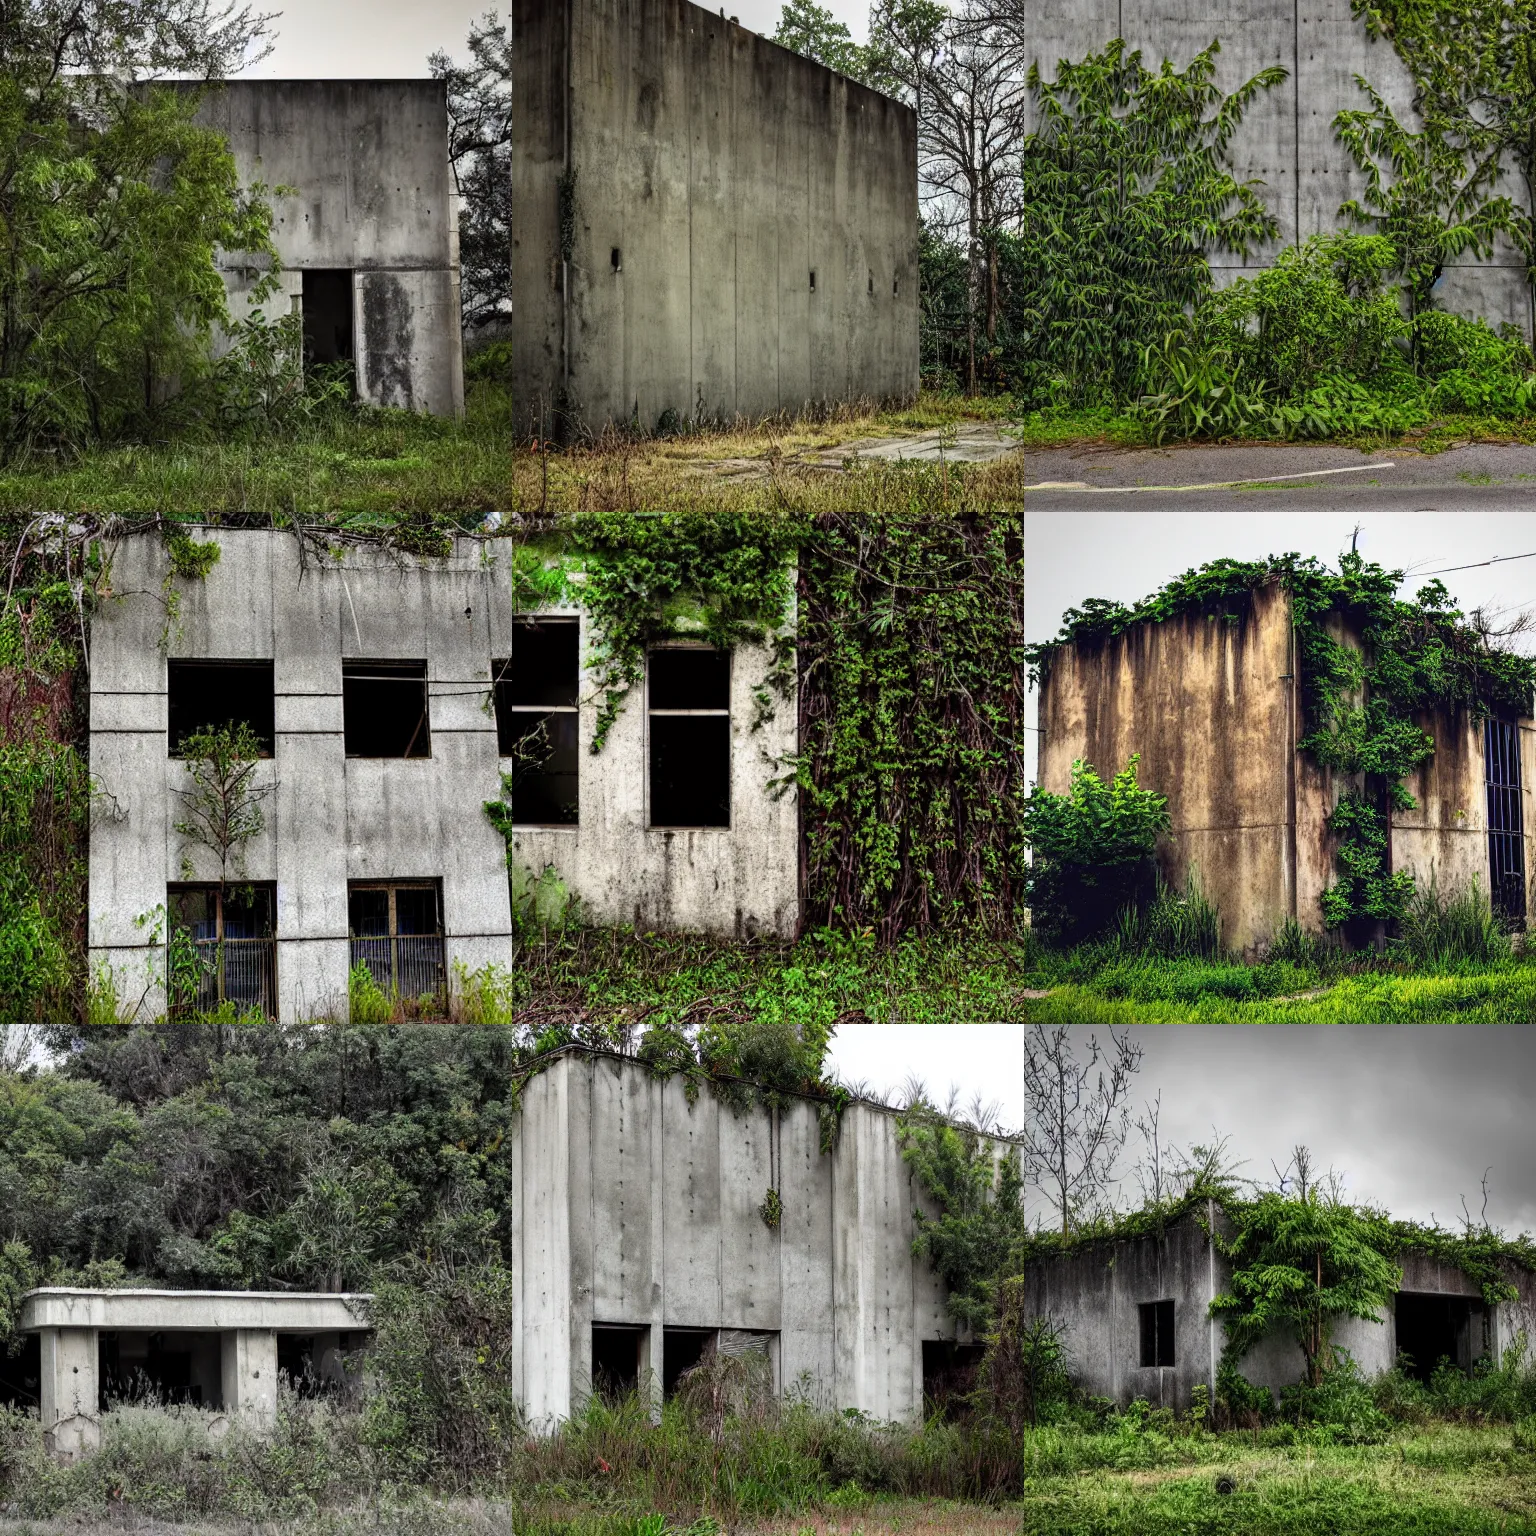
391,39
1126,555
1411,1116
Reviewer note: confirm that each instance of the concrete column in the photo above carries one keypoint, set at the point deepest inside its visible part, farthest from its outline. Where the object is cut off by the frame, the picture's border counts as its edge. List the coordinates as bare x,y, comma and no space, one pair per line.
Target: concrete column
71,1391
250,1374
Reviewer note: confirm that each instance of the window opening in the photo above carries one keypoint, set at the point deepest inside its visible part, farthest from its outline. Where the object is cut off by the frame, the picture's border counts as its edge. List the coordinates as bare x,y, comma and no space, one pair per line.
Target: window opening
384,708
537,720
204,695
690,730
1156,1333
174,1366
221,947
396,930
813,280
1506,833
1431,1329
21,1374
616,260
616,1360
327,305
681,1350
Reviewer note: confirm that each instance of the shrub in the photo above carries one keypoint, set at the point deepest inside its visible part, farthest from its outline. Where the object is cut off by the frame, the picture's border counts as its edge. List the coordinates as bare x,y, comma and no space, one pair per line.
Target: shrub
1341,1407
1176,926
1092,848
1439,931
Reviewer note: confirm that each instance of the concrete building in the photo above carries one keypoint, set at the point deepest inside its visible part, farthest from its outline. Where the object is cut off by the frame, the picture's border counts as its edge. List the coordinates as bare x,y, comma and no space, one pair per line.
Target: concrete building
1287,140
1215,710
218,1349
366,226
1135,1316
640,1241
390,695
705,225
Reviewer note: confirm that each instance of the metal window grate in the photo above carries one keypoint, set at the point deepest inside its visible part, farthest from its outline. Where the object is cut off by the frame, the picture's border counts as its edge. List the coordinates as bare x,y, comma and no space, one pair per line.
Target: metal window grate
239,971
405,965
1506,832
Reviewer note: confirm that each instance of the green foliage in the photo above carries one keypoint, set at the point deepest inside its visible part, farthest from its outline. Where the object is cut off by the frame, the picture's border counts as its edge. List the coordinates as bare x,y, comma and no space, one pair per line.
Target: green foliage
1125,191
812,30
1091,846
980,1195
1299,1264
1340,1404
223,808
1176,924
112,205
1023,1378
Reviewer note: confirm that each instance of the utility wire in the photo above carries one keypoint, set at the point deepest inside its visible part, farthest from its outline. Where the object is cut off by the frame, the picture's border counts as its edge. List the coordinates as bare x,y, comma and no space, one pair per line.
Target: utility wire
1497,560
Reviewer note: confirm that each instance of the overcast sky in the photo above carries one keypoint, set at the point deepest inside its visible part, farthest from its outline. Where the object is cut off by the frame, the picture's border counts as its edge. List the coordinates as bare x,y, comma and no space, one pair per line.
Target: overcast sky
1410,1115
391,39
1125,555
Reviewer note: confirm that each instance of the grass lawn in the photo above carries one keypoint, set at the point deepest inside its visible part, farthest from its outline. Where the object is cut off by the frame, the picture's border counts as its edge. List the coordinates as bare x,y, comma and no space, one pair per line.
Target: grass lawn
375,466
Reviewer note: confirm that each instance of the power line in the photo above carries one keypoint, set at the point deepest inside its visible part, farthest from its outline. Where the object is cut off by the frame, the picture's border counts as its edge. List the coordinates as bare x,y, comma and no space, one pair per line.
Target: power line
1497,560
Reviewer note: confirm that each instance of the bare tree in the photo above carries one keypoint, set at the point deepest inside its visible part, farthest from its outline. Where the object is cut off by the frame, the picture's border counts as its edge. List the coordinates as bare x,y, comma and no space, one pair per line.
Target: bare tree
1153,1170
1076,1117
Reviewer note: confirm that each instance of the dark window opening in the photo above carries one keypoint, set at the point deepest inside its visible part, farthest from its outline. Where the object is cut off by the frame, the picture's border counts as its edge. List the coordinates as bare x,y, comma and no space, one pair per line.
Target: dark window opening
616,1360
396,930
1156,1333
204,695
616,260
871,285
170,1367
537,723
895,287
384,708
949,1375
690,728
1432,1329
317,1365
1506,832
327,307
813,280
681,1350
221,948
21,1374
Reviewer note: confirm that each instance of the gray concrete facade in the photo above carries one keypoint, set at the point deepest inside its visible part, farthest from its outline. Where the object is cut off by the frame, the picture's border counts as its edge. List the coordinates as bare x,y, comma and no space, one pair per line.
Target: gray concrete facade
241,1326
1287,141
1094,1295
706,225
635,1206
331,819
359,181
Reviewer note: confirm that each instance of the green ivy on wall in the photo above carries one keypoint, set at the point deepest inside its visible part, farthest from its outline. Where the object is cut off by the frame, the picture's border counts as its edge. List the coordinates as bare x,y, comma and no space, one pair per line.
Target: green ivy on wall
1359,702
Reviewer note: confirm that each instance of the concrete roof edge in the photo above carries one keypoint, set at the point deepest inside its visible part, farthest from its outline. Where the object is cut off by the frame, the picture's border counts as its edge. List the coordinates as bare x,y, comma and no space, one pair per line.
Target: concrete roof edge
153,1290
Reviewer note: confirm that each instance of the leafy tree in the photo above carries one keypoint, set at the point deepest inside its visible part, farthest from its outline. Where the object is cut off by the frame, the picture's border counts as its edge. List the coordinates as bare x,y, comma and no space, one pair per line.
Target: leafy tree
223,807
812,30
1125,191
1302,1258
1091,848
480,152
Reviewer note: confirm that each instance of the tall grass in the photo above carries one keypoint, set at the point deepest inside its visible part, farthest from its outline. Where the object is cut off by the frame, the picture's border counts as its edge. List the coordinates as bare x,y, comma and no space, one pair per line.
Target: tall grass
1442,930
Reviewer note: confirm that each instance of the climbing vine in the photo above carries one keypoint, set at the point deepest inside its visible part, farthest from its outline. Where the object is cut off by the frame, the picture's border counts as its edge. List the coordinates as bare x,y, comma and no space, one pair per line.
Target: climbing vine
1359,702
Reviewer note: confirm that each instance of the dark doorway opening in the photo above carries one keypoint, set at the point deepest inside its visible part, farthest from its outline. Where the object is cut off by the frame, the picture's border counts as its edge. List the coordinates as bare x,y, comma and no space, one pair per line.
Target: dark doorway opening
537,720
690,728
1431,1329
204,695
1156,1333
21,1373
162,1367
949,1375
328,333
384,708
1506,830
681,1350
616,1360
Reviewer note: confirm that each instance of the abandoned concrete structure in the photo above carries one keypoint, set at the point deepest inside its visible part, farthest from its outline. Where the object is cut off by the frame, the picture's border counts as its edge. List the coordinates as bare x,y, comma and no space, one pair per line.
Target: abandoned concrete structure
644,1236
1287,139
217,1349
367,229
705,224
1135,1317
1214,709
389,695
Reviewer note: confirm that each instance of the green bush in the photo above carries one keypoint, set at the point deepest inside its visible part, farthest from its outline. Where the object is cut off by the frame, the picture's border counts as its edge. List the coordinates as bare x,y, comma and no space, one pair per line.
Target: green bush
1340,1409
1183,925
1440,931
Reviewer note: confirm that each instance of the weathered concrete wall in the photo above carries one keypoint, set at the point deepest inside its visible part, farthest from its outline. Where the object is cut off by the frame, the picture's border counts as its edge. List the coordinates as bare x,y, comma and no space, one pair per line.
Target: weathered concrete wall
723,170
1209,705
1093,1297
1287,141
634,1206
332,818
367,162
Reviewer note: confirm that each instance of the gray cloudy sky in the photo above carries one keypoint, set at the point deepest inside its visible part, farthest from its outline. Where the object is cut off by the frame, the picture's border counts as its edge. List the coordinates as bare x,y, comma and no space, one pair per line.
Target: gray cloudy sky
1124,554
390,39
1411,1115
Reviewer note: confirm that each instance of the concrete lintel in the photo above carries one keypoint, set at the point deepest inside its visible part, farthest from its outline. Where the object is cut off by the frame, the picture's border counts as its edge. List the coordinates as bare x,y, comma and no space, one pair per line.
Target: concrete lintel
72,1308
